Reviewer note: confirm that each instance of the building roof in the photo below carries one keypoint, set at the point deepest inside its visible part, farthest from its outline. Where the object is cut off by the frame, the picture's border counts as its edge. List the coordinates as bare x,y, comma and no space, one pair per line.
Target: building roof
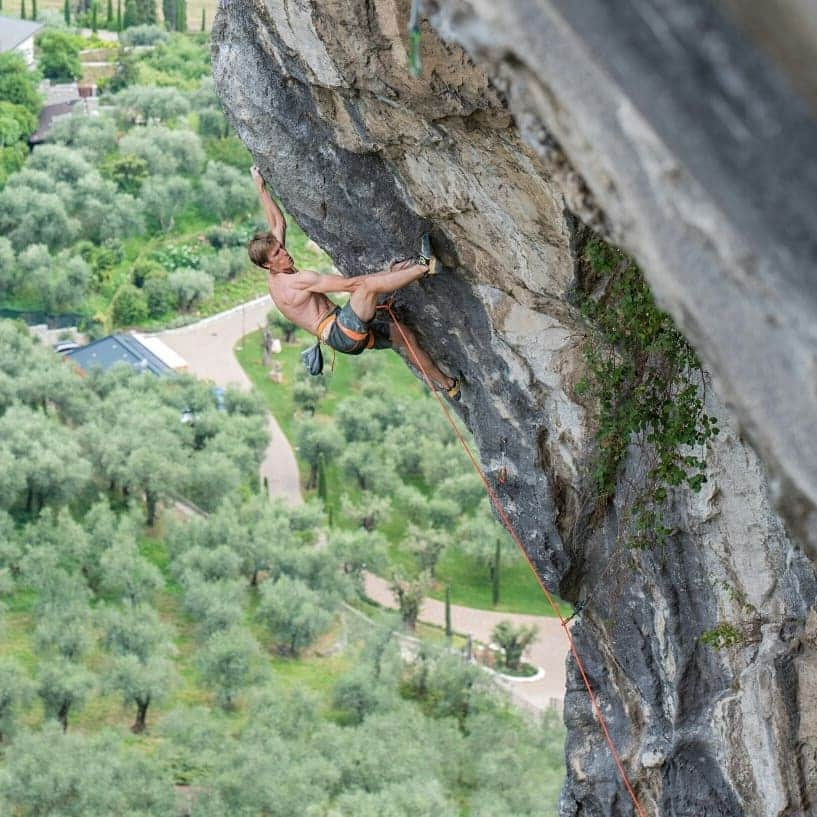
168,356
107,352
47,116
14,31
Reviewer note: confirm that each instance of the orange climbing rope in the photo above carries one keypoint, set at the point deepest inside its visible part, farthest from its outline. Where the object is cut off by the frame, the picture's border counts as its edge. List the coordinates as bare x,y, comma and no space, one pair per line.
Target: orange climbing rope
500,508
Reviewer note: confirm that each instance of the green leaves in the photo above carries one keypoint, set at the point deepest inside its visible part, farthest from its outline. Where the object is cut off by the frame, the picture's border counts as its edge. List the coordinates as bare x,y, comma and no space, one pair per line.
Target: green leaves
648,386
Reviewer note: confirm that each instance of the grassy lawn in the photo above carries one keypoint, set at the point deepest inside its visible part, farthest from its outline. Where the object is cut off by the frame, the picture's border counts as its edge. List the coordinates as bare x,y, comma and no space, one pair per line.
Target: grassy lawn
470,585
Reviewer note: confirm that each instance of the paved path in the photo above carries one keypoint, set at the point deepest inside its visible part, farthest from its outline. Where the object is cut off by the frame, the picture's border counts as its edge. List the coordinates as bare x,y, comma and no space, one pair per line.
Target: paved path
548,651
207,346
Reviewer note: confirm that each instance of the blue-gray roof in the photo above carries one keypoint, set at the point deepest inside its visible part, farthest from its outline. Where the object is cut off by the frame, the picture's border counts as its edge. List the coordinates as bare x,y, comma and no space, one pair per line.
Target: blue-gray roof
14,31
107,352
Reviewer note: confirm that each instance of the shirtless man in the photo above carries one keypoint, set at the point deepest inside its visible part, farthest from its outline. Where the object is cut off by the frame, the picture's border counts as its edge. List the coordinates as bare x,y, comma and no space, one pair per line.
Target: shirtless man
301,296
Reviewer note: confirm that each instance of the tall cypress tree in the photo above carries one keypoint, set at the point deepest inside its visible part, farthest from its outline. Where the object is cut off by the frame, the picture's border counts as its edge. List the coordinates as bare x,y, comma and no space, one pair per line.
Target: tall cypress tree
66,12
119,15
22,9
169,13
181,15
93,17
33,9
131,14
109,16
203,19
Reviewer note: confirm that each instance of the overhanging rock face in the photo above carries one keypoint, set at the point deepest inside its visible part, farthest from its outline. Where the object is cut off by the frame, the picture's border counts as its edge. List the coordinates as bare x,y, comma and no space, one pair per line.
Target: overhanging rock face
572,118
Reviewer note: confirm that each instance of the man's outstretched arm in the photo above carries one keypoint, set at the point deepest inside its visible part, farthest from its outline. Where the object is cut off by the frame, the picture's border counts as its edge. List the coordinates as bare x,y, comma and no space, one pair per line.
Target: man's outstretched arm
315,282
275,217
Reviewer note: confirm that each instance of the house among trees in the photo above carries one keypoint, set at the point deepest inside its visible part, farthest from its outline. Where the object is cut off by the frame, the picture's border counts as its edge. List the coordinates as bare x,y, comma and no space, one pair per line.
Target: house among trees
142,353
61,100
18,35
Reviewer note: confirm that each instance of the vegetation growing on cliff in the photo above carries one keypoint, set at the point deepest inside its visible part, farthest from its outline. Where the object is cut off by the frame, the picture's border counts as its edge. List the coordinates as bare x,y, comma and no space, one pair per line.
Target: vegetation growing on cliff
649,390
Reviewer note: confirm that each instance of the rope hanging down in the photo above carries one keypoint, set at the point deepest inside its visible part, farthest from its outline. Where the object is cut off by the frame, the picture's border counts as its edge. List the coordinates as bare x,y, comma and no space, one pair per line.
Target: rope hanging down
500,509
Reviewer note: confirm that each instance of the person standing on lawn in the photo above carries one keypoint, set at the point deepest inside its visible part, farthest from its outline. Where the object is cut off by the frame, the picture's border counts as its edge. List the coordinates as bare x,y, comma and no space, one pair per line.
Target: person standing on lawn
301,295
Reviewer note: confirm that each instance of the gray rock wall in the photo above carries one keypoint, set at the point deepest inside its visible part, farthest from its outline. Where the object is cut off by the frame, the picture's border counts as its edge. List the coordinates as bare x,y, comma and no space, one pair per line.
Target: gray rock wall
505,161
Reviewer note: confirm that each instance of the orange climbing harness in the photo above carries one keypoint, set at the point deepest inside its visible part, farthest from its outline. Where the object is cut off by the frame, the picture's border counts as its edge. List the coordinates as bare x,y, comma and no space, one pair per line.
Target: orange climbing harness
500,508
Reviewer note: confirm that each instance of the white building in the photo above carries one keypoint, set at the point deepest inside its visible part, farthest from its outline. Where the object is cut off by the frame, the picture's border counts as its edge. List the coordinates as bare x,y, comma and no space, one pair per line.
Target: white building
18,35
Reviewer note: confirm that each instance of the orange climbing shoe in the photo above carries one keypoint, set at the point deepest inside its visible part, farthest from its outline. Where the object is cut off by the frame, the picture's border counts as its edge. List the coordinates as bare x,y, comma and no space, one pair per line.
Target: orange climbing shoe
453,391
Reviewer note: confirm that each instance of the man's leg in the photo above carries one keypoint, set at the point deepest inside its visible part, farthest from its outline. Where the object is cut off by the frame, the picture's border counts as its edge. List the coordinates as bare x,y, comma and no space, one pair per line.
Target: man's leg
364,299
439,379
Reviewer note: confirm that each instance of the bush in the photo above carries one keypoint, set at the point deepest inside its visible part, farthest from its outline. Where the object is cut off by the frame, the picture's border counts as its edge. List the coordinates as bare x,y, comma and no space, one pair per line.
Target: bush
144,35
190,287
129,306
29,216
225,264
160,296
16,123
127,171
18,84
144,269
59,55
219,237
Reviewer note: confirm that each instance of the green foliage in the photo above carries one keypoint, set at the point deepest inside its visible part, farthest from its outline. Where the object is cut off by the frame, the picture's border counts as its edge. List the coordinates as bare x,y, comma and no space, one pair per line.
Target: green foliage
226,192
166,151
129,306
647,384
126,73
190,287
294,614
95,136
149,105
514,640
16,123
722,636
127,171
59,55
164,198
229,663
18,84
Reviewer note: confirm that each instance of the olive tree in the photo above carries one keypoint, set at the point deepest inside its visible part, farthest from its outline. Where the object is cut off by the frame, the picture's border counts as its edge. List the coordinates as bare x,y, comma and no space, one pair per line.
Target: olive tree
63,687
514,639
226,192
409,594
163,198
229,662
293,613
16,691
190,287
140,683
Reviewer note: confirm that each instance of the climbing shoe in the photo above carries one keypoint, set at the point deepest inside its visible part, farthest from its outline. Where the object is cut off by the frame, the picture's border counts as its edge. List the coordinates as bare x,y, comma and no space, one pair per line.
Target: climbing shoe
453,391
427,257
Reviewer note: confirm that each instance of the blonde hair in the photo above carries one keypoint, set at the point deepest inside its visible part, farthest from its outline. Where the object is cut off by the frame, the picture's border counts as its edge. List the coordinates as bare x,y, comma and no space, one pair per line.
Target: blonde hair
260,246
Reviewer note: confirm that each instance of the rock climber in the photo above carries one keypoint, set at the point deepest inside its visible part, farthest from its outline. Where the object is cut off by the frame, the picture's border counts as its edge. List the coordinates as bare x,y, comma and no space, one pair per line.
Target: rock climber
301,295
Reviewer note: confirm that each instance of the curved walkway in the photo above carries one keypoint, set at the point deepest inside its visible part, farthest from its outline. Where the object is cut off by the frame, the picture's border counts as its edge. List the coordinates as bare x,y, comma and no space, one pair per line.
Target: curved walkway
207,346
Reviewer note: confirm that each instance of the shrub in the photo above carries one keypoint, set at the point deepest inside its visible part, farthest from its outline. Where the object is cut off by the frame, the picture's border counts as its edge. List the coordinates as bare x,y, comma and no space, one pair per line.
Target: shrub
144,35
219,236
159,295
129,306
18,84
16,123
59,55
190,287
127,171
225,264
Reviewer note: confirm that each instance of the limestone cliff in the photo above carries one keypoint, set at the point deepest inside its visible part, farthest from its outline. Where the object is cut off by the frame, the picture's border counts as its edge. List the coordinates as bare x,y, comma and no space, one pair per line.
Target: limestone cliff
560,117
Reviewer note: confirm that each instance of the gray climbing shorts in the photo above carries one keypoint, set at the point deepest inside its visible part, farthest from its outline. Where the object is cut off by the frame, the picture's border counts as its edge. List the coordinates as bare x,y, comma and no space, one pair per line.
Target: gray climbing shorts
348,334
